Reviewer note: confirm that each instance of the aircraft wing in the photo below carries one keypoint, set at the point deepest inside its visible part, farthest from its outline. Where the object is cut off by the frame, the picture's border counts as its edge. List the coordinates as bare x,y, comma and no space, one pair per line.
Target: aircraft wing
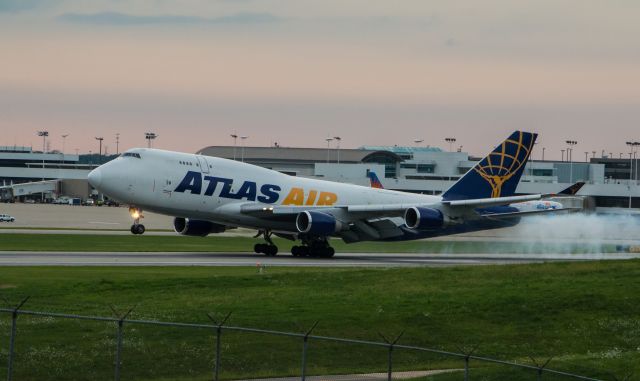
377,210
529,212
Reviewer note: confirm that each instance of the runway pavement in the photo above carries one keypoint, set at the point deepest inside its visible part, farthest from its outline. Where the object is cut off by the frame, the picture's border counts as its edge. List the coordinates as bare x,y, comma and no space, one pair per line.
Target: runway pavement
16,258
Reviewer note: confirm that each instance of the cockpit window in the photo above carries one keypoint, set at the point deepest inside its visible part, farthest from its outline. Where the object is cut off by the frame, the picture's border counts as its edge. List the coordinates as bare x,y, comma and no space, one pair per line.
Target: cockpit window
131,154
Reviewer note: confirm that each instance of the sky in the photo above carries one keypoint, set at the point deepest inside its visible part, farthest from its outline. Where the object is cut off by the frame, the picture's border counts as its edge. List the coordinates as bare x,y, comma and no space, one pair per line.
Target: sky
297,71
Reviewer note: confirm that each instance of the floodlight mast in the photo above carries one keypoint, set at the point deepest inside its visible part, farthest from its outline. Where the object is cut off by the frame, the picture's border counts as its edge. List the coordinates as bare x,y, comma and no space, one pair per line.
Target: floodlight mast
150,136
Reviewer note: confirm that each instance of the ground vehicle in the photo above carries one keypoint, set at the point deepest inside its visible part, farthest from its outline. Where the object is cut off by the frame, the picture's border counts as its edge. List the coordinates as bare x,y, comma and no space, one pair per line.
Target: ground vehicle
6,218
89,202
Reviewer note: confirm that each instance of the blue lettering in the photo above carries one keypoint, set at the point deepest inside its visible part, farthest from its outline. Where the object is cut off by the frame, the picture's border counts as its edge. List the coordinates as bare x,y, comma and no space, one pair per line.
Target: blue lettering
270,193
226,188
192,182
213,182
247,190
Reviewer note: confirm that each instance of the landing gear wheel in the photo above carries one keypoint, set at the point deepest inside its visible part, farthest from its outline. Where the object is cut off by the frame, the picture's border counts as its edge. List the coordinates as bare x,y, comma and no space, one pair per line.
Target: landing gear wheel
269,250
138,229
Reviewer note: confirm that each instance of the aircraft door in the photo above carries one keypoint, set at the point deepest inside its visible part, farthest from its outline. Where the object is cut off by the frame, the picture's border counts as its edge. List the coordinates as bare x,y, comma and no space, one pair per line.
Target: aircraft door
204,165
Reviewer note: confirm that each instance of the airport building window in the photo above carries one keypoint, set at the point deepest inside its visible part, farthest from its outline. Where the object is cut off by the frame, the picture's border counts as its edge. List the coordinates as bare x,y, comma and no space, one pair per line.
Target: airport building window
425,168
542,172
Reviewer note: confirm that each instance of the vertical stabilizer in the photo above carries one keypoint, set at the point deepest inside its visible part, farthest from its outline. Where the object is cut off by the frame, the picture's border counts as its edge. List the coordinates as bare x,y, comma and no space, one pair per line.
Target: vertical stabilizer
498,174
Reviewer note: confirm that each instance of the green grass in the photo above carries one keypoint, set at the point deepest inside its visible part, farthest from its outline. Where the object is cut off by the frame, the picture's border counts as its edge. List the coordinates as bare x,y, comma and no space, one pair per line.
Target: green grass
583,314
81,242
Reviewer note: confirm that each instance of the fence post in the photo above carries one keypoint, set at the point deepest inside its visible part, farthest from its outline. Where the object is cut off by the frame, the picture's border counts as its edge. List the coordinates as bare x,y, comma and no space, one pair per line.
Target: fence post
467,357
466,368
540,366
390,355
12,339
120,332
216,368
305,342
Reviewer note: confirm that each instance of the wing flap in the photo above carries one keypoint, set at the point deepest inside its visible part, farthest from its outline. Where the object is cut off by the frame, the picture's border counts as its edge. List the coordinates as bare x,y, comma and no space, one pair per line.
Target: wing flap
530,212
479,202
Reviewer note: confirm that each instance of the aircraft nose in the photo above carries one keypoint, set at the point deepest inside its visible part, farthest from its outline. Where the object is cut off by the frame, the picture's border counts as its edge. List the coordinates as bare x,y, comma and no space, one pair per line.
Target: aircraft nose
95,177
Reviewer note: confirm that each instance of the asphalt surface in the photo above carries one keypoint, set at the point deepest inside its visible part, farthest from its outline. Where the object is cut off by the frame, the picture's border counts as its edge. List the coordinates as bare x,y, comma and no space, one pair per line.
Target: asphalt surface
18,258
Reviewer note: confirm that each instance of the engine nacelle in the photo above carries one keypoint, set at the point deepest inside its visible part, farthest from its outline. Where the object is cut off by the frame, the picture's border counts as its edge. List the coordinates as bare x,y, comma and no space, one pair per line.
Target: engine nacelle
423,218
198,228
317,223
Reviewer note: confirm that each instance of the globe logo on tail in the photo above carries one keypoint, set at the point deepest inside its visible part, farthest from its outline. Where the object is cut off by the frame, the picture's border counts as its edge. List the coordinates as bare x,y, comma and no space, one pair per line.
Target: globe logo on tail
505,161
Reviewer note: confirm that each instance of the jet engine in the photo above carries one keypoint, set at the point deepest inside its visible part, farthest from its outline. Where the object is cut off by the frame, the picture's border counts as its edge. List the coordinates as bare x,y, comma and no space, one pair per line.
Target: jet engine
419,218
317,223
198,228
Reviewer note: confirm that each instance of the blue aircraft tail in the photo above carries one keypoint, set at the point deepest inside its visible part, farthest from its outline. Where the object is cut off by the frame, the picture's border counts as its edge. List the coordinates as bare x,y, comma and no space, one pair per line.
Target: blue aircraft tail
498,174
374,180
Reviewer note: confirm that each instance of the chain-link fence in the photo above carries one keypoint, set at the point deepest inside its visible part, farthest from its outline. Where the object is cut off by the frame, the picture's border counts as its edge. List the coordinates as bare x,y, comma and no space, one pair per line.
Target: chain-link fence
40,346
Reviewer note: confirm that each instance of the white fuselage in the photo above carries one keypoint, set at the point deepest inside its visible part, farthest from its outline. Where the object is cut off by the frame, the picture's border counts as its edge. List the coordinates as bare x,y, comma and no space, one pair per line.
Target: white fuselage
215,189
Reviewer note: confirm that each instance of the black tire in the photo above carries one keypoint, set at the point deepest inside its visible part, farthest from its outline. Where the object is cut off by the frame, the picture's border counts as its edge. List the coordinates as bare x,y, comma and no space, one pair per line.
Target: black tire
133,229
329,252
271,250
141,229
257,248
295,251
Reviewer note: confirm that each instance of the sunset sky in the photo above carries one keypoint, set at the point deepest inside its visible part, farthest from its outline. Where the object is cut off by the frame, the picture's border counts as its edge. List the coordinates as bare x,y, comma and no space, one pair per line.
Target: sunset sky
297,71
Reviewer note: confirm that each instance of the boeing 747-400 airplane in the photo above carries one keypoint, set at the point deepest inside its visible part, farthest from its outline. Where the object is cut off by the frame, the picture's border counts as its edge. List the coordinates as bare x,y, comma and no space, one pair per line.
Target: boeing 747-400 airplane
210,195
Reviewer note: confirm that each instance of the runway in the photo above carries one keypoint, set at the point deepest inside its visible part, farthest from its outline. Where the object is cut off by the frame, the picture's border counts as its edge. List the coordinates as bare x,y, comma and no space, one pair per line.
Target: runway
17,258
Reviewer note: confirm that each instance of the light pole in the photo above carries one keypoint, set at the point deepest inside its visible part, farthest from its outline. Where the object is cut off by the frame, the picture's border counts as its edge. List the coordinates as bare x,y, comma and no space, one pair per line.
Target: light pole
243,138
450,141
44,135
562,154
586,156
64,137
338,140
117,143
235,141
543,149
630,144
100,139
570,143
328,139
150,136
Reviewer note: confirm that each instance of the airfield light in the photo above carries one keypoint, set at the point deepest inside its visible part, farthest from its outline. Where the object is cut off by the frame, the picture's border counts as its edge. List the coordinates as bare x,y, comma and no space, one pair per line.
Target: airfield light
338,139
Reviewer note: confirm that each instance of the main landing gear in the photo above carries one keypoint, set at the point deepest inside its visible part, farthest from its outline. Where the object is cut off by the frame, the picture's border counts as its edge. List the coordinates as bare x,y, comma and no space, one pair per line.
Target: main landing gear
268,249
318,248
136,214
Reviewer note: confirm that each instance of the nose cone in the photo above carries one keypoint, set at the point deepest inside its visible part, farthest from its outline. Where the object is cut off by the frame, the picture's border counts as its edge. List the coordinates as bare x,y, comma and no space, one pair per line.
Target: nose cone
95,178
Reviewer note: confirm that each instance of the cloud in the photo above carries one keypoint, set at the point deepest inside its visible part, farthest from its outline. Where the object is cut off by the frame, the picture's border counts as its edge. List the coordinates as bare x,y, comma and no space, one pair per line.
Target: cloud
116,18
13,6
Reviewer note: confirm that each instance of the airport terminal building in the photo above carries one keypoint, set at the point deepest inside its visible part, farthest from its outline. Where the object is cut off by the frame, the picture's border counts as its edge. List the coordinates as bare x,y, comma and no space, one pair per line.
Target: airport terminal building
27,174
610,182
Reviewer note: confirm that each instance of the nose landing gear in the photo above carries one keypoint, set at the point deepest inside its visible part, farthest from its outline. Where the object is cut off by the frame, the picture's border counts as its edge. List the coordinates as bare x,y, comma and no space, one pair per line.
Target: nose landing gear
136,214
